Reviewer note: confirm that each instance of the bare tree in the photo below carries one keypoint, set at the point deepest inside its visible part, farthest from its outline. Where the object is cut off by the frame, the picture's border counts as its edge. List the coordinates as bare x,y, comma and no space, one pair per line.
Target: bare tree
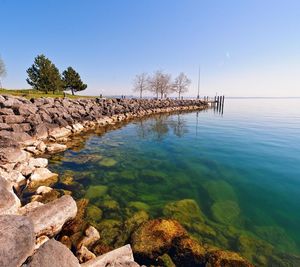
140,83
181,84
160,84
2,70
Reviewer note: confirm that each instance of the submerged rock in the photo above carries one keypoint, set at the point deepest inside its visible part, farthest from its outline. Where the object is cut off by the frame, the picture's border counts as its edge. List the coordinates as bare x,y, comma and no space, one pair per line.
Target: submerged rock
17,240
93,213
108,162
188,252
90,237
109,230
83,254
154,238
221,258
53,254
96,191
226,212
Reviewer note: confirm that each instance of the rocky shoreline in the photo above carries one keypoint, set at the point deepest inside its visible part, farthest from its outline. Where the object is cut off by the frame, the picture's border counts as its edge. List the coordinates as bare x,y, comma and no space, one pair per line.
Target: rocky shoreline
30,128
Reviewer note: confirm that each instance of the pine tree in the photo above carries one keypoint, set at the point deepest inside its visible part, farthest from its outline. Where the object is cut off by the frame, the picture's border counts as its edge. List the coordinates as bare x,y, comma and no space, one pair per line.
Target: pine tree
72,81
44,76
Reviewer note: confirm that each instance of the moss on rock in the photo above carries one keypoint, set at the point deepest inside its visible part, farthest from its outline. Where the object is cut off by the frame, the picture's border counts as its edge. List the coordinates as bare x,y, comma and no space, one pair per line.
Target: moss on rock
225,212
96,191
108,162
154,238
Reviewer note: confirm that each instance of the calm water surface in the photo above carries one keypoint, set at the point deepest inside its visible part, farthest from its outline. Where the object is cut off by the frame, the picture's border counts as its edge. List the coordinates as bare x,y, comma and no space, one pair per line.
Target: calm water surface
242,168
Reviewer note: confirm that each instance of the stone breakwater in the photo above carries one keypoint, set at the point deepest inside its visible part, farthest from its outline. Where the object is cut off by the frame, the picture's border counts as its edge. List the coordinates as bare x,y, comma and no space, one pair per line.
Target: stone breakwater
28,233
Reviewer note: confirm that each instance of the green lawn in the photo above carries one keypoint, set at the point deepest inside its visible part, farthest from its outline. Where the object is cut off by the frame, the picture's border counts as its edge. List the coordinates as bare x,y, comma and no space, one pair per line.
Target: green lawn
29,93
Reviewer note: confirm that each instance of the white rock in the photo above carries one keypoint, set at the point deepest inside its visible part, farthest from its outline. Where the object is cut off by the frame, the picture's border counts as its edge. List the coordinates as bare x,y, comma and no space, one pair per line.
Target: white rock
91,236
41,174
29,207
83,254
38,162
54,148
59,133
49,218
122,256
40,241
41,146
43,190
15,177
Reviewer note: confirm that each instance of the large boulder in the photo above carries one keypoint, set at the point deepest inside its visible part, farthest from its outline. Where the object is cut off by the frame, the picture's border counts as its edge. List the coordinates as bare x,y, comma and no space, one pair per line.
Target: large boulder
49,219
17,240
53,254
9,202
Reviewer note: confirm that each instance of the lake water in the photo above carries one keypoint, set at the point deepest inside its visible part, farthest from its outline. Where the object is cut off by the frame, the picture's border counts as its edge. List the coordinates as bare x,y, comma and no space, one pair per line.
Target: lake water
242,168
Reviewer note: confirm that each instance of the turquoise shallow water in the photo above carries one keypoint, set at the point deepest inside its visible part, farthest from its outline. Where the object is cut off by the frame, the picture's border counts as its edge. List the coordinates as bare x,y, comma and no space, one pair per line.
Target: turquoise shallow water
241,167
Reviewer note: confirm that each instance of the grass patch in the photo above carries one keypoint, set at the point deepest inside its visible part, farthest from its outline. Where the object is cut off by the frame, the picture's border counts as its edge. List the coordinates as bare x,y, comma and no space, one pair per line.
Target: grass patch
29,93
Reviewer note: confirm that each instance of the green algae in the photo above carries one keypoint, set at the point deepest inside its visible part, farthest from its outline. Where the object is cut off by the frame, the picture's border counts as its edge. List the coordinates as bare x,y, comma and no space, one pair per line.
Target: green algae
108,162
93,213
226,212
96,191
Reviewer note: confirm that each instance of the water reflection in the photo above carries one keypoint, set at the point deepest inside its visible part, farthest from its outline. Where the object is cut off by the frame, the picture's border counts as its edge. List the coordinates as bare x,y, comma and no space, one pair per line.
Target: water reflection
159,126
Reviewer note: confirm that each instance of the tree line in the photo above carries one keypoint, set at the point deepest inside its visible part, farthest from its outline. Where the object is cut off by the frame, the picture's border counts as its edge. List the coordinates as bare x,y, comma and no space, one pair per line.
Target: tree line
161,84
44,76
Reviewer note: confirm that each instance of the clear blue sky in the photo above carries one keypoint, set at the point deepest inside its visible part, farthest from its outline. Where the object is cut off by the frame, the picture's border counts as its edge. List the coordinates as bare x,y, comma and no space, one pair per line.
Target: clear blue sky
245,48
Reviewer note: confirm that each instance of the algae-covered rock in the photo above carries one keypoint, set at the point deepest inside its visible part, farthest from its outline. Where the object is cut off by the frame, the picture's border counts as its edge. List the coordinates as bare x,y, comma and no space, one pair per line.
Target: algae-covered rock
109,230
130,225
221,258
96,191
128,175
225,212
67,178
188,213
108,162
77,224
110,208
277,237
153,175
137,206
252,248
47,197
154,238
93,213
188,252
165,261
220,190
